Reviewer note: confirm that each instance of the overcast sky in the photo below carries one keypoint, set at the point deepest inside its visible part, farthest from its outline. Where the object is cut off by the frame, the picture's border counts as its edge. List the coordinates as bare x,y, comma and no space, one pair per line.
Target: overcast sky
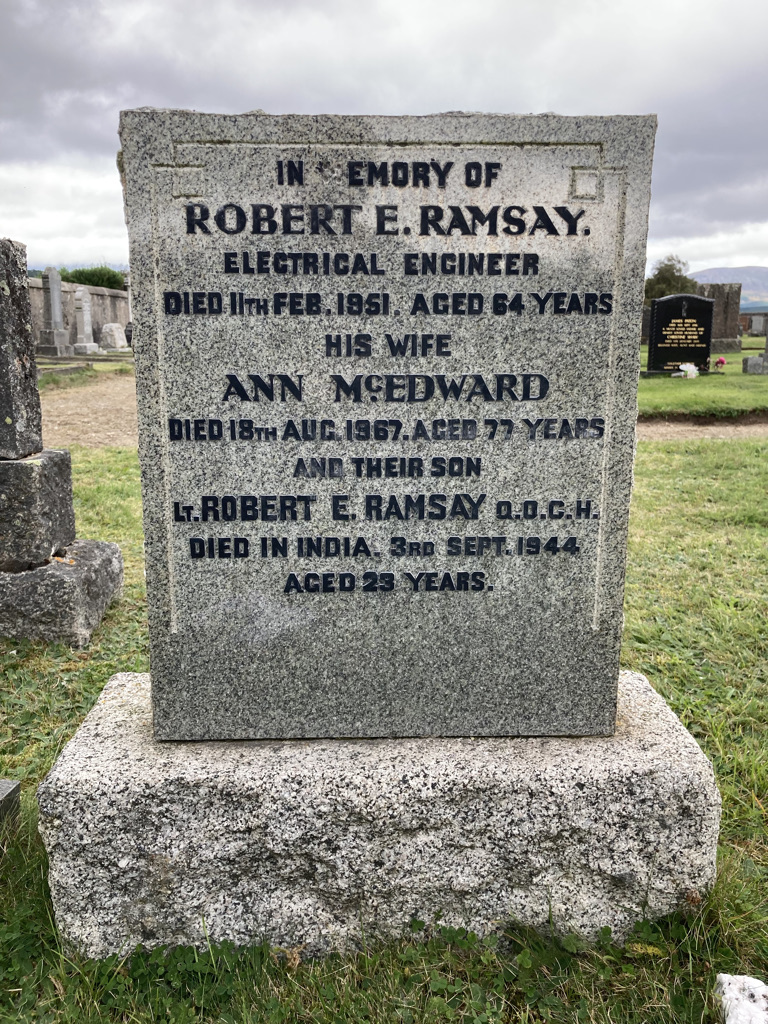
68,66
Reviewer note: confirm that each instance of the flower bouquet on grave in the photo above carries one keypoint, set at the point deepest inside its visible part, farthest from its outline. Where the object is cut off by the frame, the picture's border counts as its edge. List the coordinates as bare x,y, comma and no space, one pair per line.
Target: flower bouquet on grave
688,370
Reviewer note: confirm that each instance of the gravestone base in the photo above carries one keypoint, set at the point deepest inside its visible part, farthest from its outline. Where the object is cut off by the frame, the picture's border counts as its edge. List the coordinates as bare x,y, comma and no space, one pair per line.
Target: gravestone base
54,343
64,599
755,364
86,348
726,345
315,844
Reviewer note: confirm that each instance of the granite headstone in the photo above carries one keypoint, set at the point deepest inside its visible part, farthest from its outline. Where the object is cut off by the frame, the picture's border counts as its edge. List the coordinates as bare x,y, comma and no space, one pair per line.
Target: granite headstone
54,338
756,364
681,332
387,372
726,329
85,344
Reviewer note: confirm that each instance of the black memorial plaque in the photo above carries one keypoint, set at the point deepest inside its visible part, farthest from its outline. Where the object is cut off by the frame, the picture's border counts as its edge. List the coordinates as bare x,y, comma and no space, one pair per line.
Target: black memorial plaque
681,332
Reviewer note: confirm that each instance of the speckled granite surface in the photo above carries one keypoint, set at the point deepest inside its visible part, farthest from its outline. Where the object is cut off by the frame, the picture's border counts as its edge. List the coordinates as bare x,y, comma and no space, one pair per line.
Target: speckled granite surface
345,538
305,843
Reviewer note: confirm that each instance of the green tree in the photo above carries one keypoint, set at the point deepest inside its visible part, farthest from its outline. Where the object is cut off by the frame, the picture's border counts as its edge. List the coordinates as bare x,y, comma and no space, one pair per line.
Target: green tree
97,277
669,278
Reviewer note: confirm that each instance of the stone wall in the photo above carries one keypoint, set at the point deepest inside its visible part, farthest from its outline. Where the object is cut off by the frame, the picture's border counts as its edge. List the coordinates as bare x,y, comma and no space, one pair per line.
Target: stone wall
108,306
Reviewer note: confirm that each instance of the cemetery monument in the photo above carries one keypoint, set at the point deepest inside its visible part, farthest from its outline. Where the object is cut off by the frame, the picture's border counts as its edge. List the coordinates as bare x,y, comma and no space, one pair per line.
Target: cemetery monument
386,374
726,329
113,337
680,332
756,364
54,338
85,345
52,586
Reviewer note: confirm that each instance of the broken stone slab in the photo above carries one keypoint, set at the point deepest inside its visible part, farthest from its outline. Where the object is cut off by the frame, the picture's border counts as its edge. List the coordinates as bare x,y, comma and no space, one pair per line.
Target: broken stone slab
65,599
37,518
10,792
21,431
315,843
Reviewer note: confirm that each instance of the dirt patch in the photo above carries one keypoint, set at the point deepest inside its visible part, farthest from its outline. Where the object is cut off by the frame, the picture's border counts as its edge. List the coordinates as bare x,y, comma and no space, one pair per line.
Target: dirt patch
101,414
736,429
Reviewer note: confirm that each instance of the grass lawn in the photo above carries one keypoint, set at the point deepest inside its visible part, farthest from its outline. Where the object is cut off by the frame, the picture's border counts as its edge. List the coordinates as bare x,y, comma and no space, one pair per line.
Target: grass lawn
85,376
696,624
724,395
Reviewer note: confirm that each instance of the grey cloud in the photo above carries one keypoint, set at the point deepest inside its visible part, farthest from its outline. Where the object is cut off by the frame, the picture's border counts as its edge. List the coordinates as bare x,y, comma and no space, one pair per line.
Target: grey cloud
67,68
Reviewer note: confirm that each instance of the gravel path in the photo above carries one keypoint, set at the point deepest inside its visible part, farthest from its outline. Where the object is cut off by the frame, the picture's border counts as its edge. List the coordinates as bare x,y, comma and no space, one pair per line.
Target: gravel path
684,430
97,415
103,414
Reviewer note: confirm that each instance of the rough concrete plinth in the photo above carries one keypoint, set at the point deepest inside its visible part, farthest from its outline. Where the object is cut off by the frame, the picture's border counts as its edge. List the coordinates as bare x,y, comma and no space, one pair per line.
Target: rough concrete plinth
65,599
312,843
37,518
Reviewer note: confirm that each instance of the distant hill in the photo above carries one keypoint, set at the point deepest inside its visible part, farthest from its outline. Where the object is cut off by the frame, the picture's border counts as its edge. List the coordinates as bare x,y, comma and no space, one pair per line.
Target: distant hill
754,281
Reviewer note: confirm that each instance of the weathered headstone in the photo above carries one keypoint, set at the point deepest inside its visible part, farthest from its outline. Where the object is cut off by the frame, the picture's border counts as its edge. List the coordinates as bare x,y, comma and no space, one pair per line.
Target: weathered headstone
756,364
85,344
54,339
386,409
681,332
52,587
21,431
758,324
113,337
726,329
386,372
